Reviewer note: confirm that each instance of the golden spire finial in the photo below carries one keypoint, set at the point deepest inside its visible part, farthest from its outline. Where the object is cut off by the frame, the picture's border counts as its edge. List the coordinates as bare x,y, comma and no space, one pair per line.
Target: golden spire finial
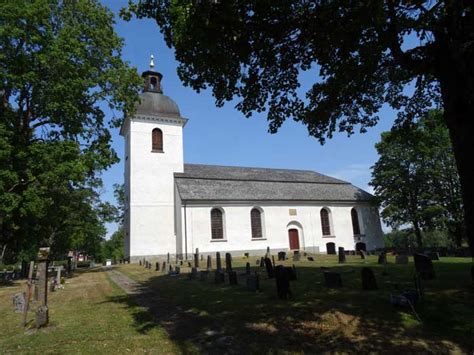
152,62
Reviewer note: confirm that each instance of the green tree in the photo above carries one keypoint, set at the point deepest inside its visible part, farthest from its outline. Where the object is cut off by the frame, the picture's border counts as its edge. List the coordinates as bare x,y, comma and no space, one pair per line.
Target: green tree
59,61
409,55
415,178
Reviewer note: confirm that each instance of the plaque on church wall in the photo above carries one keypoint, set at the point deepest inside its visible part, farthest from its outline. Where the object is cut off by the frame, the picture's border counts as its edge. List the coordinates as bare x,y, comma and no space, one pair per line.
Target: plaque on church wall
292,211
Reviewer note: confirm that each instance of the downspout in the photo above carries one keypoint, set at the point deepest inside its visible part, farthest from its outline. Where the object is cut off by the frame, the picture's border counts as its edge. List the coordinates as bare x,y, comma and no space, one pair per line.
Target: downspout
185,234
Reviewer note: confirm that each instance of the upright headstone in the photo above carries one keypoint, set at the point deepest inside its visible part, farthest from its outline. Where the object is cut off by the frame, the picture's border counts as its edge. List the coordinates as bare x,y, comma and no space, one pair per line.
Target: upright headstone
269,268
281,256
268,252
228,262
177,270
189,264
196,259
232,277
253,283
157,266
382,258
310,258
58,276
332,279
296,255
168,258
218,262
19,302
247,269
202,257
273,260
246,255
194,273
341,255
362,254
140,262
282,282
163,266
42,314
401,259
368,279
209,263
262,262
424,266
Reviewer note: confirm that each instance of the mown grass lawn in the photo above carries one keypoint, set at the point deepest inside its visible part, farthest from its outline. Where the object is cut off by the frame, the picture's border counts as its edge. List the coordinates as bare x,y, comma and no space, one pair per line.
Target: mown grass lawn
320,319
92,315
84,319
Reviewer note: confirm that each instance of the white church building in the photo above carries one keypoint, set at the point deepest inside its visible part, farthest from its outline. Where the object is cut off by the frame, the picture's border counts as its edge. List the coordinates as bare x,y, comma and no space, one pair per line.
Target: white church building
176,208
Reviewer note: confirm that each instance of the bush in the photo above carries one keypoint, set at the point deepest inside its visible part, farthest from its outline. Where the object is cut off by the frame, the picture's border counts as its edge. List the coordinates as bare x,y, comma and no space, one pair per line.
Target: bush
84,263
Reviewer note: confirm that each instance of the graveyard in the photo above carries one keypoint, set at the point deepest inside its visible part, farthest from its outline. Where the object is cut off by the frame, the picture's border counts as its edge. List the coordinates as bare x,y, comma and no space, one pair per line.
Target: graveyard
138,308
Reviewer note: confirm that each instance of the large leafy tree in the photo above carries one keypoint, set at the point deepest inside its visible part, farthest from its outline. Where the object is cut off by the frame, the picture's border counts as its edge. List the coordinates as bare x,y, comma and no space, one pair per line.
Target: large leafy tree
60,60
415,178
410,55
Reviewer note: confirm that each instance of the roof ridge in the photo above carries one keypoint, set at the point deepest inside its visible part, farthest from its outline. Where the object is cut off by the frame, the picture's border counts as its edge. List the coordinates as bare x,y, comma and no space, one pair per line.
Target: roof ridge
337,182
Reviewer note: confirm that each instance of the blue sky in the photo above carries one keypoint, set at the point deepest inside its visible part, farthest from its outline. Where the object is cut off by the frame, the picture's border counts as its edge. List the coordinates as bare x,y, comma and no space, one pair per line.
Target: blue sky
223,136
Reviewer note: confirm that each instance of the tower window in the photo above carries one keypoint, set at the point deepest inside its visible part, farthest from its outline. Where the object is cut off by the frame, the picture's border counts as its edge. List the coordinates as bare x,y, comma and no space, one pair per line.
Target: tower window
157,140
153,82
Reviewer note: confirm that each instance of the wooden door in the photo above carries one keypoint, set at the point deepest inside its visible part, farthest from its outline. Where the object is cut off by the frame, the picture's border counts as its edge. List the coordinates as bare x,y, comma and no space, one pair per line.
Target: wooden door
294,239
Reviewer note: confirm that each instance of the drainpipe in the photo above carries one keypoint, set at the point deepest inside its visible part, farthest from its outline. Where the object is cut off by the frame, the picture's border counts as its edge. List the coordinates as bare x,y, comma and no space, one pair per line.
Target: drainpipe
185,234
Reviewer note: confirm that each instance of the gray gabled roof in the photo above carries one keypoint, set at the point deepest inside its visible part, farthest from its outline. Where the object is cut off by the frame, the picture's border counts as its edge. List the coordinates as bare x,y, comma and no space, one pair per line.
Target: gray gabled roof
228,183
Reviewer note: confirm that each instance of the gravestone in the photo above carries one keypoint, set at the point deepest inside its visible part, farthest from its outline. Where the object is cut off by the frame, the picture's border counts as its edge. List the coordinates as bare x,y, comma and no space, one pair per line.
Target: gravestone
202,257
281,256
157,266
269,268
19,302
228,262
69,265
262,261
253,283
189,264
424,266
42,314
268,252
382,258
163,266
140,262
203,275
273,260
232,277
310,258
196,260
209,262
170,268
332,279
177,270
282,282
181,262
193,274
218,262
341,255
362,254
247,269
296,255
168,258
219,277
434,255
401,259
246,255
368,279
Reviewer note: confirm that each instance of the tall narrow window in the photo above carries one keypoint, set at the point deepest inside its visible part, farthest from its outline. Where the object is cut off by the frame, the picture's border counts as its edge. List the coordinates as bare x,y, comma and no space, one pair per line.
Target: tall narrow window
326,227
355,222
217,224
256,223
157,140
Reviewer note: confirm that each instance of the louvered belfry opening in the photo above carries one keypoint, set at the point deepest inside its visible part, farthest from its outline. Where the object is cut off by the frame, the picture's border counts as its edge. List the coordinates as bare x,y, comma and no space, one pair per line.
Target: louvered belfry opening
355,222
217,224
326,227
157,140
256,223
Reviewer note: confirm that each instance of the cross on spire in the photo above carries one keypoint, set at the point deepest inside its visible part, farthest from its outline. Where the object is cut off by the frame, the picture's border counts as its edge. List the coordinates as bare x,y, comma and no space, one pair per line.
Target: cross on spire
152,62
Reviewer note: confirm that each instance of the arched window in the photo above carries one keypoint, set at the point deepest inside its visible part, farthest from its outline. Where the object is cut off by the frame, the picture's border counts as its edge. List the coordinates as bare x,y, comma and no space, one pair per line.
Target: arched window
325,225
157,140
355,222
256,223
153,82
217,224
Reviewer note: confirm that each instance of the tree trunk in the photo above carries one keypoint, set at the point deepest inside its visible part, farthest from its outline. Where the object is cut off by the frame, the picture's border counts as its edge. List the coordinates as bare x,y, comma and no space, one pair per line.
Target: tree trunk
419,240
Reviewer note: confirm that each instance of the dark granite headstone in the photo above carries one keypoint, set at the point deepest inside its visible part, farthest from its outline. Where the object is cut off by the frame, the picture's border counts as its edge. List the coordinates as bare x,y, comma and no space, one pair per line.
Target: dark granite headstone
149,265
368,279
332,279
273,260
282,282
362,254
281,256
219,277
228,262
181,262
269,268
177,270
296,255
189,264
209,262
310,258
193,274
246,255
218,262
163,268
401,259
253,283
196,260
382,258
232,277
247,269
341,255
168,258
140,262
262,262
424,266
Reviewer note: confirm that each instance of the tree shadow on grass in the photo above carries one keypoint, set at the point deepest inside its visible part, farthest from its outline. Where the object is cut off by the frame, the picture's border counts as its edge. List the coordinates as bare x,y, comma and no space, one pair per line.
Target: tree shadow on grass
216,318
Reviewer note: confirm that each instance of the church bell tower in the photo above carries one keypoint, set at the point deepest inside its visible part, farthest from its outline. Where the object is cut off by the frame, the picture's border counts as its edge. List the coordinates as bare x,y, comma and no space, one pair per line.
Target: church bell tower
153,153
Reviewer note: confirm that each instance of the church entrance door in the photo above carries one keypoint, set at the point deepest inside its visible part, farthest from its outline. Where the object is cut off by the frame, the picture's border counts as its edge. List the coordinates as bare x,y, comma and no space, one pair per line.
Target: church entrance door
294,239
